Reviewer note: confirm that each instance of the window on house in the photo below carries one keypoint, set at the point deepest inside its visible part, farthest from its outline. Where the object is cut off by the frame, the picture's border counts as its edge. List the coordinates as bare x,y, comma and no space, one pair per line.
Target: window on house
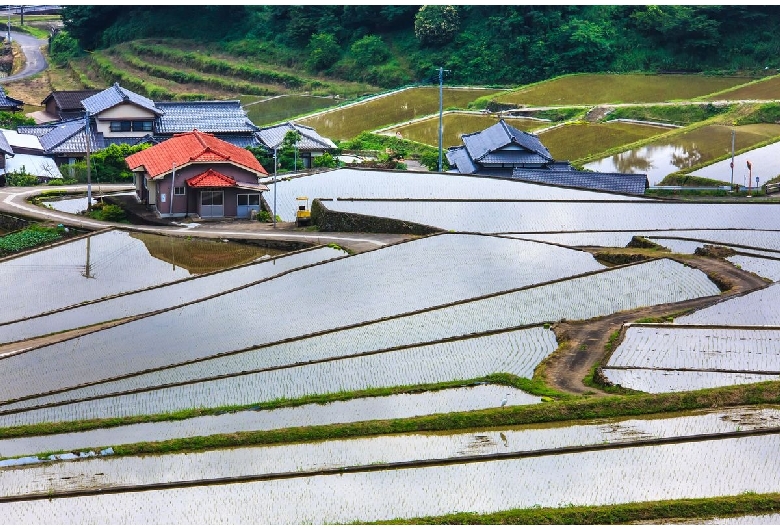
121,126
178,190
128,125
142,126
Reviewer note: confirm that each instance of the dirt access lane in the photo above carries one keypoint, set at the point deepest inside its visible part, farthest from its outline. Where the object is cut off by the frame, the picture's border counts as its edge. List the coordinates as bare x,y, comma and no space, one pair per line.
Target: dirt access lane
583,342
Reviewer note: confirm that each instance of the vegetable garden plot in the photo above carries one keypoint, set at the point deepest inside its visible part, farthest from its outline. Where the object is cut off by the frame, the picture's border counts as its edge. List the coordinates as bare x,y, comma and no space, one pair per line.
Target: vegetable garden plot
758,308
661,381
574,299
347,411
407,277
564,216
766,268
515,352
86,269
160,297
673,471
91,473
678,347
354,183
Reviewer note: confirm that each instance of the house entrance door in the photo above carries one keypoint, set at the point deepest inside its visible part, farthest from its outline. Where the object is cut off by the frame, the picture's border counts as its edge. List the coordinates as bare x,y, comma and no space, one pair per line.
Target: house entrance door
212,203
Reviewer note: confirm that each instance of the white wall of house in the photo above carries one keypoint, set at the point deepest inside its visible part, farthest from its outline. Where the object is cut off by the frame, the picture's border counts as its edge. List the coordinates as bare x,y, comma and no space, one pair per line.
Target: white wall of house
123,113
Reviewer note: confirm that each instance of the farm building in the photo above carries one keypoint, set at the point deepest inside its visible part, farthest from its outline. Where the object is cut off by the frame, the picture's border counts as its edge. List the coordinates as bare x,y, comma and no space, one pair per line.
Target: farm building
65,104
310,146
9,104
196,174
504,151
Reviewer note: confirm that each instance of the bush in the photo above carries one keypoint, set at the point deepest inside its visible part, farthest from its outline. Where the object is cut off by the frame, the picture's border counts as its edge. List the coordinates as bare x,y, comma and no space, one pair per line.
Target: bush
263,216
325,160
436,24
63,47
370,50
324,51
108,212
20,178
62,182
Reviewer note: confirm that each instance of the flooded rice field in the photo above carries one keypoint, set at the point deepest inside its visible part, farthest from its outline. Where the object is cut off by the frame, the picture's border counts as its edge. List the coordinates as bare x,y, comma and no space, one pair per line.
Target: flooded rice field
346,122
268,111
766,268
349,292
456,124
157,298
107,264
589,89
515,352
758,308
74,204
353,183
765,162
574,299
583,140
91,473
565,216
636,474
655,381
347,411
677,347
688,149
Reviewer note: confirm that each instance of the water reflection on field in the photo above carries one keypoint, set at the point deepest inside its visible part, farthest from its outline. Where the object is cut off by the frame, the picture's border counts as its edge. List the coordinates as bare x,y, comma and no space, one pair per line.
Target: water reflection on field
347,122
575,141
765,162
682,152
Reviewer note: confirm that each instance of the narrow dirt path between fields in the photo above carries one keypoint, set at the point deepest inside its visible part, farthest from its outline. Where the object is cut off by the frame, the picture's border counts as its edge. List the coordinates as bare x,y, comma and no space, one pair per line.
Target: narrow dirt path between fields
583,342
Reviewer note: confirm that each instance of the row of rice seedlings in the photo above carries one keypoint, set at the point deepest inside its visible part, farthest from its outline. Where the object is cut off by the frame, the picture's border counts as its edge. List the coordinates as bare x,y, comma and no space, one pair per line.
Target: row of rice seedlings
758,308
671,347
500,217
655,381
162,297
347,411
334,454
574,299
86,269
515,352
766,268
407,277
661,472
354,183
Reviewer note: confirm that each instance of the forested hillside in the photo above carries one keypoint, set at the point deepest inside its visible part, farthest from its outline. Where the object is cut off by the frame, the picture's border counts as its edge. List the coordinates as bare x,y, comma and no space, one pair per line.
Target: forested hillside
390,46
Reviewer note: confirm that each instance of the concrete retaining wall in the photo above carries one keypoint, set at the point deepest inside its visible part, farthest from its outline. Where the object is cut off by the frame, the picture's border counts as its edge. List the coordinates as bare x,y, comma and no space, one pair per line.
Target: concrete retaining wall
330,221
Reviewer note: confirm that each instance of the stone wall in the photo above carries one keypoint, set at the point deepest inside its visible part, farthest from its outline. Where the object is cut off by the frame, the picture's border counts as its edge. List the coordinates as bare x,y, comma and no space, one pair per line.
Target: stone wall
330,221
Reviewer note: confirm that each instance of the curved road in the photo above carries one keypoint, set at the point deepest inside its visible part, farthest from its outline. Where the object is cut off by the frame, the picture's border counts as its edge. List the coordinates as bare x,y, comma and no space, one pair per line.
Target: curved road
13,201
34,62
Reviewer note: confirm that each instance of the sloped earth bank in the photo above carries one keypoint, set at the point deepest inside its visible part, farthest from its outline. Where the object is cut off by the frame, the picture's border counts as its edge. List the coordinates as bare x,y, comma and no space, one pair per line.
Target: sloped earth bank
583,343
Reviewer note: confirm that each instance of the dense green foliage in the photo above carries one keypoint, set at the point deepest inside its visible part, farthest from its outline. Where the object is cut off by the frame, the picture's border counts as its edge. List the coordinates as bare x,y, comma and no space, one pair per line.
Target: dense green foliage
28,238
392,147
107,165
20,177
676,114
479,44
12,120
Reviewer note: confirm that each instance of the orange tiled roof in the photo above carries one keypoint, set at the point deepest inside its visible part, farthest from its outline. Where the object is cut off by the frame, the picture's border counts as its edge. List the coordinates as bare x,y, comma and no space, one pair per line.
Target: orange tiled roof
211,179
192,147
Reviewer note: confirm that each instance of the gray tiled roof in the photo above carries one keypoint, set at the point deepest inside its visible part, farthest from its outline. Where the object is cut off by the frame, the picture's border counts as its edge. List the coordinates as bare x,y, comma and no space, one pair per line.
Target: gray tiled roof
501,135
7,102
272,137
459,157
67,137
113,96
37,130
514,158
634,184
208,116
70,100
5,147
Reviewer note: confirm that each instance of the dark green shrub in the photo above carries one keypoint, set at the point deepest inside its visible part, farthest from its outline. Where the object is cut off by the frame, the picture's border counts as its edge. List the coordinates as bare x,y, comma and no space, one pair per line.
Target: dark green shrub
324,51
325,160
370,50
20,178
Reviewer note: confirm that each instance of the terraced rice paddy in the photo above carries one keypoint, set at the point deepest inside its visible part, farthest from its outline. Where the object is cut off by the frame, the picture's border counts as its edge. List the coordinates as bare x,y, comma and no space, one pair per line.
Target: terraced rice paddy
344,184
759,308
396,107
583,140
699,146
564,216
456,124
764,161
267,111
589,89
714,468
312,457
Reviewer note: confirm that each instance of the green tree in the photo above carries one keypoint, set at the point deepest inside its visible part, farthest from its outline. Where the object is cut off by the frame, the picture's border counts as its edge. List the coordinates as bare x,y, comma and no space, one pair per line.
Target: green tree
12,120
324,51
436,24
370,50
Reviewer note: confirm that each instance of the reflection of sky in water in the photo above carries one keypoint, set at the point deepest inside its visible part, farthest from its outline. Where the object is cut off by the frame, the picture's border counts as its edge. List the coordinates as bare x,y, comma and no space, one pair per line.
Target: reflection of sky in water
657,161
765,161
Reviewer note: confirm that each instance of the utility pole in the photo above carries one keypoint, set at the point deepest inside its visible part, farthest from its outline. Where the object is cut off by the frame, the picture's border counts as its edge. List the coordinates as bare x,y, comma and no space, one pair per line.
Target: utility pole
274,213
441,113
733,134
89,169
9,24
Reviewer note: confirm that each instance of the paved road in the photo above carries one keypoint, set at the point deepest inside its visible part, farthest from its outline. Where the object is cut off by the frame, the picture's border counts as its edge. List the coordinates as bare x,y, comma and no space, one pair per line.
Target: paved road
34,63
13,201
